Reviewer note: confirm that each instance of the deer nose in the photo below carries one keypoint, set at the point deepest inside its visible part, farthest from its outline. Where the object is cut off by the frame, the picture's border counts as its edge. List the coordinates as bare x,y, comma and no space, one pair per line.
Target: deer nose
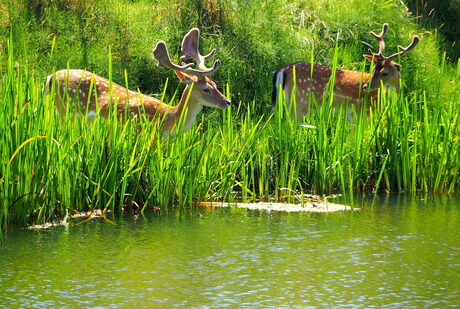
228,102
365,86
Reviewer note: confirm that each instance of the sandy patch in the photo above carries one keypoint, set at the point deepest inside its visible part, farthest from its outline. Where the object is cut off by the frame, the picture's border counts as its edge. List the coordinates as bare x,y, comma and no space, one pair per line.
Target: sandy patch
268,206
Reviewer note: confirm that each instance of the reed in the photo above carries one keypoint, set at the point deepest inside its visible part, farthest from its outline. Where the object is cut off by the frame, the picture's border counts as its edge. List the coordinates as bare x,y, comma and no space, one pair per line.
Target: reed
49,165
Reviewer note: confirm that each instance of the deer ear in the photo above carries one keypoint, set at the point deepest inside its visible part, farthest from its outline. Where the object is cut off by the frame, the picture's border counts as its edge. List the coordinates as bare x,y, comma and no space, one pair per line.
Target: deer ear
368,57
184,77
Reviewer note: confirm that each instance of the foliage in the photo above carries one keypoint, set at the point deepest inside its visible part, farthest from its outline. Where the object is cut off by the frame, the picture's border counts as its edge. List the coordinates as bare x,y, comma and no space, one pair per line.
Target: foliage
253,38
444,16
49,166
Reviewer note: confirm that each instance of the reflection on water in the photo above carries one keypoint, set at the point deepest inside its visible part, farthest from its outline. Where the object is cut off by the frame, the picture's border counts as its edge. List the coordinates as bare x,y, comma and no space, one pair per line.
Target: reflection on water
398,253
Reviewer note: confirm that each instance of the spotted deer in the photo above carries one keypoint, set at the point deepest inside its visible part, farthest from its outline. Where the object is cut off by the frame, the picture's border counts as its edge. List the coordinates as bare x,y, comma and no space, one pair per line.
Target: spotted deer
352,86
93,95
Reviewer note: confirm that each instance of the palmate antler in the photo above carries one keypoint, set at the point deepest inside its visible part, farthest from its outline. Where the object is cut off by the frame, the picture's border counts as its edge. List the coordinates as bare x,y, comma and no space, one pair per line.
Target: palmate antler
190,45
379,37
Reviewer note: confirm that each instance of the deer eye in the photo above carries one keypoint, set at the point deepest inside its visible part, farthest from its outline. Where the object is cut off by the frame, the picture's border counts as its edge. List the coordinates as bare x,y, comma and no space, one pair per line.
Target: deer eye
206,90
384,74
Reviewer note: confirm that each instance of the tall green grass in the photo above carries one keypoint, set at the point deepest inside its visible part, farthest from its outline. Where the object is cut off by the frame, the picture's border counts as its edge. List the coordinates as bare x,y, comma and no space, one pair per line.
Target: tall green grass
50,165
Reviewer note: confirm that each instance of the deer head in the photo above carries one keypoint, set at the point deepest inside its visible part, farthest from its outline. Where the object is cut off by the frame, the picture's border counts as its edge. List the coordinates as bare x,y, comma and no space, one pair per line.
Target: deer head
205,90
385,71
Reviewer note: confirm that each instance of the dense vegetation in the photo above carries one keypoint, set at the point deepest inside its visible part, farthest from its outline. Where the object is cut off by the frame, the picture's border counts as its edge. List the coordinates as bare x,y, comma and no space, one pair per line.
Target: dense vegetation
443,16
253,38
49,166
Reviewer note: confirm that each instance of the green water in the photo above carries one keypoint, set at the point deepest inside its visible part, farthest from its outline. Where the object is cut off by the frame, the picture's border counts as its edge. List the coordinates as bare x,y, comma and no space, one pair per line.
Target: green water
400,253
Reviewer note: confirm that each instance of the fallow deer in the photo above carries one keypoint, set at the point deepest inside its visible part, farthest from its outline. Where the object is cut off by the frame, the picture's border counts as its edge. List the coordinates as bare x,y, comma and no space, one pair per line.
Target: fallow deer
353,86
92,94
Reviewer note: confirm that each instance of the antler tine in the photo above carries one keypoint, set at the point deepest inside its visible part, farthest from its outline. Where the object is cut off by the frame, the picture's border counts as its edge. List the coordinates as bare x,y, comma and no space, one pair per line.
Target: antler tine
369,46
379,38
190,47
204,72
190,44
162,56
403,51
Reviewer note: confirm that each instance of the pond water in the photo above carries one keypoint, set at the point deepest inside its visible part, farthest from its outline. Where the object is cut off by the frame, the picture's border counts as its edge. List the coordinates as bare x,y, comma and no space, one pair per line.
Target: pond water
399,253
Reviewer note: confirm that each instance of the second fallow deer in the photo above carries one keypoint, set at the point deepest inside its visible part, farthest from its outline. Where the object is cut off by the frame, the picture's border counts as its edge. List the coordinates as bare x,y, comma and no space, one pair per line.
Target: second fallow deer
351,86
92,94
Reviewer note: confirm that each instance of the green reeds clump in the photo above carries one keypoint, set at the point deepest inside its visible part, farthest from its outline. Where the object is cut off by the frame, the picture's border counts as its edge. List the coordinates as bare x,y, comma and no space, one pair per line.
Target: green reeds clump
50,166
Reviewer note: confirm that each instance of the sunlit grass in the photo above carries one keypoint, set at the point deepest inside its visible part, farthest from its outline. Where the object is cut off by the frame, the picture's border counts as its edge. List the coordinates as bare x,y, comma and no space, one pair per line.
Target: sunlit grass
52,165
249,152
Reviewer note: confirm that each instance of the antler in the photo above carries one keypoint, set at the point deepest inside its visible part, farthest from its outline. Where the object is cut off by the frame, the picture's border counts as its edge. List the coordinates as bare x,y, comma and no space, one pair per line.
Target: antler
190,48
403,51
162,56
380,37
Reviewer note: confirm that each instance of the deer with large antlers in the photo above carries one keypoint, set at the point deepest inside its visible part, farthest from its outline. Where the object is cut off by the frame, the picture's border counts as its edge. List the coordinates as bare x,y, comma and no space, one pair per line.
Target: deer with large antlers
352,86
92,94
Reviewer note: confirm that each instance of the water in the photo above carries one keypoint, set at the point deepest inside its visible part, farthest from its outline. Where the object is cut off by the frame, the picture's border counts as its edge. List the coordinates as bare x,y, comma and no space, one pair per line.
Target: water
400,253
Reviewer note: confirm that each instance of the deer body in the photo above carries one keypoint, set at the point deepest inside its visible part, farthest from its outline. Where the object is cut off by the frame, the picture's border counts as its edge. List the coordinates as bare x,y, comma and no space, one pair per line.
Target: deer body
351,86
92,94
348,85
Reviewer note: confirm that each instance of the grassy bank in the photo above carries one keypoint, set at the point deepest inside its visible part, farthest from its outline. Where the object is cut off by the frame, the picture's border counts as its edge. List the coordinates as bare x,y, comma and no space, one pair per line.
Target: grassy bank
49,166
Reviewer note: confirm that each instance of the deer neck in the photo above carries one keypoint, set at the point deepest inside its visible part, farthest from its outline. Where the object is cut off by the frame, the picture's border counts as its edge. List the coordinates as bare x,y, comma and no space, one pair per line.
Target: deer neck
186,109
349,85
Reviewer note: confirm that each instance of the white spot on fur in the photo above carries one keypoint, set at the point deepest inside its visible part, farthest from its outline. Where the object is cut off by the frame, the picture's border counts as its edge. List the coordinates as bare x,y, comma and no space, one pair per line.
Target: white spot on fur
92,114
